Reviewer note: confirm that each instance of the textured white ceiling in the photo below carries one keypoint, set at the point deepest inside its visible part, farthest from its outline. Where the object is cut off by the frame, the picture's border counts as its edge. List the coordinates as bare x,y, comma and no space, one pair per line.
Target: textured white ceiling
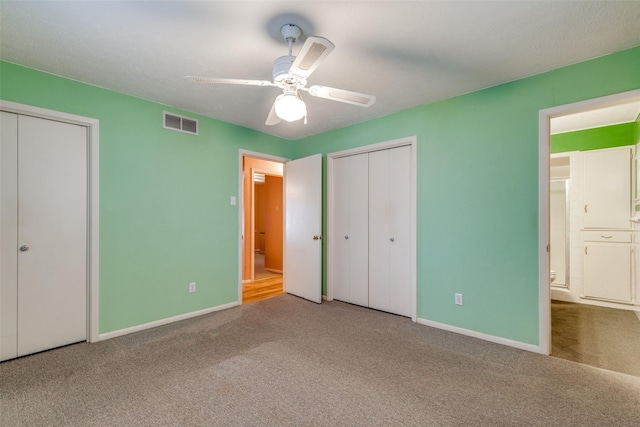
404,53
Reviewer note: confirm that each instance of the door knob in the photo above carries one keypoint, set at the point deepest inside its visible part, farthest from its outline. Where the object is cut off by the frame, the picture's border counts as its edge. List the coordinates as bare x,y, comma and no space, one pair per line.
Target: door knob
316,237
392,239
346,237
24,248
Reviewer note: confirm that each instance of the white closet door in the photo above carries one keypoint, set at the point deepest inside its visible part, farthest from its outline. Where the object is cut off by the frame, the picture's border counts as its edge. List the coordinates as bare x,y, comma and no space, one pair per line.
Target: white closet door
389,230
351,242
52,234
400,231
8,236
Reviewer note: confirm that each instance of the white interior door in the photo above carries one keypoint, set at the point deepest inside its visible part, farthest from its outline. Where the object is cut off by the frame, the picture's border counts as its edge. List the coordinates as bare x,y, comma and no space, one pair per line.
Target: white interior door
303,227
52,234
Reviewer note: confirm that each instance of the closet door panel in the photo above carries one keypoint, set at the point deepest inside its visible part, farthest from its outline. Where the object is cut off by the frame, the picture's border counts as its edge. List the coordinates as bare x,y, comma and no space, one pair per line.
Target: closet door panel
8,236
379,232
400,231
351,230
52,200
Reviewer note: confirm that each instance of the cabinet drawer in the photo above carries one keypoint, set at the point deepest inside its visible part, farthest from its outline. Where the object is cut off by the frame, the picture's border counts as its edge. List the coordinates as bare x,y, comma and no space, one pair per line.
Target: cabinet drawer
606,236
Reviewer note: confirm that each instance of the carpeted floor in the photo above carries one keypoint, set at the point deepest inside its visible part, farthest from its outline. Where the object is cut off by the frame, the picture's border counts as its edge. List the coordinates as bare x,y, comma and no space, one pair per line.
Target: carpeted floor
286,361
598,336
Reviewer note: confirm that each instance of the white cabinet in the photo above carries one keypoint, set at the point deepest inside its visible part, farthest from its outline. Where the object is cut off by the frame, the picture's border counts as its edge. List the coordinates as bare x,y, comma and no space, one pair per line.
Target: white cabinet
607,188
607,265
371,235
606,235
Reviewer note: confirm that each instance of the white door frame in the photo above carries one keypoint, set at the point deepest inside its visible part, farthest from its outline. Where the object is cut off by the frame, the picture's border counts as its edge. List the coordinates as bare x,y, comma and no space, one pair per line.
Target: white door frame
240,200
93,200
331,157
544,295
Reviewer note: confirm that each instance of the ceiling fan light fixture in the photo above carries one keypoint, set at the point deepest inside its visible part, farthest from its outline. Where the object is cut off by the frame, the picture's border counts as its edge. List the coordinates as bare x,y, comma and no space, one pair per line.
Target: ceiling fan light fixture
290,107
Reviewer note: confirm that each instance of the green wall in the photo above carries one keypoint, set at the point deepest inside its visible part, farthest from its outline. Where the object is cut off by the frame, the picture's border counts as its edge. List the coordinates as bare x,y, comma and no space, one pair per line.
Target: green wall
478,190
166,219
594,139
165,214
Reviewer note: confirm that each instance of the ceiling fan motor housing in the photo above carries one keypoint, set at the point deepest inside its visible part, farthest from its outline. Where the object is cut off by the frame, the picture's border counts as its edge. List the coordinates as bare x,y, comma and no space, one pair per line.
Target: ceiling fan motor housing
281,67
290,31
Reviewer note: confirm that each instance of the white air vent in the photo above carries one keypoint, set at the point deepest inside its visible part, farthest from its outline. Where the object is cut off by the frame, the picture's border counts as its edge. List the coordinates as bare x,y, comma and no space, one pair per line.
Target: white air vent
180,123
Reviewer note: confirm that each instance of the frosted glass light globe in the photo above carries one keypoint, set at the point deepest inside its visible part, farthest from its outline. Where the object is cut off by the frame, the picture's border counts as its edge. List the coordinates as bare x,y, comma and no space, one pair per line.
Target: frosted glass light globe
289,107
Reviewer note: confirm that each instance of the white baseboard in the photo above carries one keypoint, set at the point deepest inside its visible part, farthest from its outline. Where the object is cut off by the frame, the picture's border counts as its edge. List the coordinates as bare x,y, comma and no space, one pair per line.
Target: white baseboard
480,335
166,321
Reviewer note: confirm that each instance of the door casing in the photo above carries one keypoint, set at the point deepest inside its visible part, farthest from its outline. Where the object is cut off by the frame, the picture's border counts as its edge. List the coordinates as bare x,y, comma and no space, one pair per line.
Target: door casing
408,141
93,200
544,149
240,202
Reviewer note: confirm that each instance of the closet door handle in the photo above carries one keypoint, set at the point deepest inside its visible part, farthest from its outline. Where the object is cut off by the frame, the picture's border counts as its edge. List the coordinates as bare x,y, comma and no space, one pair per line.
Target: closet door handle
24,248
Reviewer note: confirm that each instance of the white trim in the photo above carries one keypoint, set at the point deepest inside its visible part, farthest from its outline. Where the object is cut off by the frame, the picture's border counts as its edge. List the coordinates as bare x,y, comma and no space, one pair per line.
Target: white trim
410,141
254,154
93,163
545,115
480,335
165,321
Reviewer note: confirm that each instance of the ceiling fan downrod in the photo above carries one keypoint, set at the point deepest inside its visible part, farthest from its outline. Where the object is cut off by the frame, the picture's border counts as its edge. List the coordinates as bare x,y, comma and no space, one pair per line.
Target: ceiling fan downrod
290,32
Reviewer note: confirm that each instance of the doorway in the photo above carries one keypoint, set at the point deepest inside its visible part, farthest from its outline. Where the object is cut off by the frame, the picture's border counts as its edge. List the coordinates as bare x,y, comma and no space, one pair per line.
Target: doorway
262,207
576,324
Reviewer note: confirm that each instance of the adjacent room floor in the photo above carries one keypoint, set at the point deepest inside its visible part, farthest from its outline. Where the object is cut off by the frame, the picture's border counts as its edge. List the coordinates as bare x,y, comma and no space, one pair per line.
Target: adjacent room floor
267,284
598,336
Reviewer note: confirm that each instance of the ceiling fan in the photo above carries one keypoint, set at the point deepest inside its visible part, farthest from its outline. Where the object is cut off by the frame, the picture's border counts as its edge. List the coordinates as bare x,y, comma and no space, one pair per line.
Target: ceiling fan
290,73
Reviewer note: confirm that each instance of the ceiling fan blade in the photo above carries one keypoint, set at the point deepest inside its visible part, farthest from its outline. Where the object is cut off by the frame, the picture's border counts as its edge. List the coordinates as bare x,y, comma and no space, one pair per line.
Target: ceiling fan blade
341,95
200,79
272,118
313,52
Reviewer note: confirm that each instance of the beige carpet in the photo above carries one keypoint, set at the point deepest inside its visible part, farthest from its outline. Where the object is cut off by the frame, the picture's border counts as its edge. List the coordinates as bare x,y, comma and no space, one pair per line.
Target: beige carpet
286,361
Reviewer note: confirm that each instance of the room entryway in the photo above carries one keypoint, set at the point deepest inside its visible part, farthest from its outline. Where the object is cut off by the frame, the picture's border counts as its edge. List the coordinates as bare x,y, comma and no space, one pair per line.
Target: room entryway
263,236
591,284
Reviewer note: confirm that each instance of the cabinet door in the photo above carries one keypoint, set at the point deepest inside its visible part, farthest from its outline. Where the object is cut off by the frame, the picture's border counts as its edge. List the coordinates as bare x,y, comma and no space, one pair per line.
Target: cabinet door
389,231
350,239
607,188
607,271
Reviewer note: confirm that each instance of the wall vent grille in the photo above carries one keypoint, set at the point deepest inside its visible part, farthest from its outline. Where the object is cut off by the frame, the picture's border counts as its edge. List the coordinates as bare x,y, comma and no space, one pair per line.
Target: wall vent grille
180,123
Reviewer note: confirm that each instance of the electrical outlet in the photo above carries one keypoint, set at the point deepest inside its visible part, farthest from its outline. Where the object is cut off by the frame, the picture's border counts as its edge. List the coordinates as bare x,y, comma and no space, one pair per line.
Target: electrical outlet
458,299
192,287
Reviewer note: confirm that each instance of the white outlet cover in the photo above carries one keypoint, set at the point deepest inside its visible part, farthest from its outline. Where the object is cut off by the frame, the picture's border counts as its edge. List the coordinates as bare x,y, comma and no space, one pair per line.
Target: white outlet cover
233,200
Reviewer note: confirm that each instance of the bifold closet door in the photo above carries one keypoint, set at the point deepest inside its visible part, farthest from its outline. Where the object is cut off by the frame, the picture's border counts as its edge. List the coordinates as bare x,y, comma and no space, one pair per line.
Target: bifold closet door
50,287
390,230
350,234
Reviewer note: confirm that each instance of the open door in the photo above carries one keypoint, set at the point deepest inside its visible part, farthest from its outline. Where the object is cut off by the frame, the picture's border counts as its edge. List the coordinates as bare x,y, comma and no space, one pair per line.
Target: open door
303,227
